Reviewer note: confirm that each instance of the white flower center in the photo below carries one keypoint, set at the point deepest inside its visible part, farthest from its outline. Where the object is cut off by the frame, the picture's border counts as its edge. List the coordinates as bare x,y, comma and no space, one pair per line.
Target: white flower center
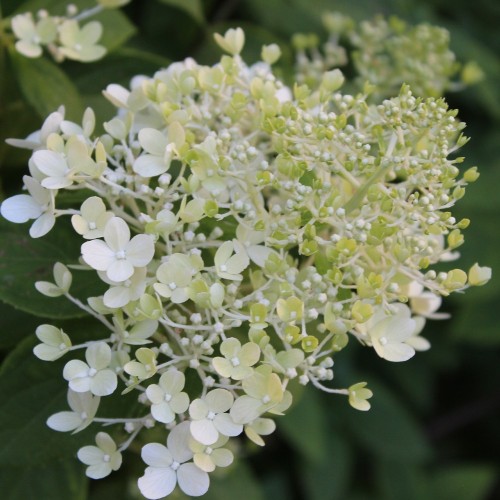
211,415
92,372
78,47
383,340
168,397
266,399
127,284
175,465
208,450
120,255
92,225
235,361
62,346
83,415
106,458
293,315
223,268
172,286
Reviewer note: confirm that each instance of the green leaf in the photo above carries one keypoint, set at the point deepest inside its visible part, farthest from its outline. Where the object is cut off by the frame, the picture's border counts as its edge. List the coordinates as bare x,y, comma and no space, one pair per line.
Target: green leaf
476,322
388,430
56,480
46,87
193,7
332,474
396,480
464,482
117,28
32,390
15,325
306,429
26,260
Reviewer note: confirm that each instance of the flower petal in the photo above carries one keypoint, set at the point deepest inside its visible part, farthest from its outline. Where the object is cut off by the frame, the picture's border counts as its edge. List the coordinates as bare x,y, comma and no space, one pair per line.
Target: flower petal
98,255
178,442
226,426
157,483
116,234
104,383
192,480
140,250
156,455
20,208
204,431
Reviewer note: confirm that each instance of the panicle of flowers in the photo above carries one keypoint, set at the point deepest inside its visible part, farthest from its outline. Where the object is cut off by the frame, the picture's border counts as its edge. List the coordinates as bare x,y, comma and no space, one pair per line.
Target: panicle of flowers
245,231
386,53
62,36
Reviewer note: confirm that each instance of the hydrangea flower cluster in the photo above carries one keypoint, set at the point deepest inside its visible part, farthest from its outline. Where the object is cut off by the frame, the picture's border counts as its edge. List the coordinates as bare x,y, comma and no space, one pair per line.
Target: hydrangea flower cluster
246,232
62,36
386,53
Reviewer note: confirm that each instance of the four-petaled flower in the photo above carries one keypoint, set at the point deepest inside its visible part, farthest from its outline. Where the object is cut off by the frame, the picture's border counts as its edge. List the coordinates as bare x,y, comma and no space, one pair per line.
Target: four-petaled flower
38,205
208,417
84,406
237,360
93,219
101,459
388,333
176,275
80,44
170,465
167,398
207,458
31,36
231,260
55,343
118,255
94,376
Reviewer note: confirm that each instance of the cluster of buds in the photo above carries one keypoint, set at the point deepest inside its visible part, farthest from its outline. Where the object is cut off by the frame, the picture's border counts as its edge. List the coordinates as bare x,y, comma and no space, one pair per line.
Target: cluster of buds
245,232
386,53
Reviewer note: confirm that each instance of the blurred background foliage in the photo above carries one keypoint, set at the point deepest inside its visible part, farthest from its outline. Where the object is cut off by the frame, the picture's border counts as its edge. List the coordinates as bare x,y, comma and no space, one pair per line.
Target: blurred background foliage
433,429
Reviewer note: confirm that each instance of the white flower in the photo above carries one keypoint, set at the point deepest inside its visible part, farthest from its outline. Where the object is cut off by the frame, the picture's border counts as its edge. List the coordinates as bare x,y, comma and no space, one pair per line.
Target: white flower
80,44
122,292
101,459
207,458
232,41
94,376
62,164
229,265
423,303
118,255
38,139
93,219
263,392
39,205
145,367
389,333
160,149
55,343
237,360
62,278
259,427
168,467
251,241
32,35
175,276
84,406
138,334
167,398
209,418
